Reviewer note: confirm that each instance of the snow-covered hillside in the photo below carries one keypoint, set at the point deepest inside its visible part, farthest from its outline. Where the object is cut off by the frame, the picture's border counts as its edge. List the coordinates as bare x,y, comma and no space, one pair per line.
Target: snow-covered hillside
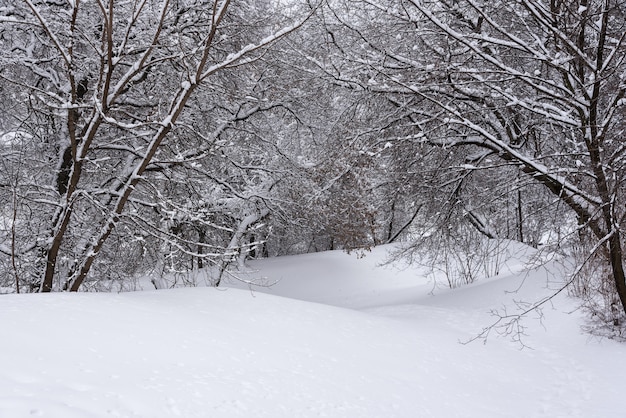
336,336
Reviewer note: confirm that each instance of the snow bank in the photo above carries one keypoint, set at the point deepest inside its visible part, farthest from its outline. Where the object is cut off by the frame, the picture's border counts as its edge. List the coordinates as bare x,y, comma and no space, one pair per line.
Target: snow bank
388,348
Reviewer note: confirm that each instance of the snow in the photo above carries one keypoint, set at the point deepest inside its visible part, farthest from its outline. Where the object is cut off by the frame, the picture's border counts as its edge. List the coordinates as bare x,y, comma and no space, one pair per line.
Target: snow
336,336
11,138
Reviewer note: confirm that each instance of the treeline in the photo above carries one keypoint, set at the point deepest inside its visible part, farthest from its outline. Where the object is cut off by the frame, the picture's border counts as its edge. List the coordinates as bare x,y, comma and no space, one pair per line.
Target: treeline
164,136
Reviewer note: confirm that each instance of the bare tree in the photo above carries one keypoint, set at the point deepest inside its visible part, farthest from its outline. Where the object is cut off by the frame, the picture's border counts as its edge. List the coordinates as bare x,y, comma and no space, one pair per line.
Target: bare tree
526,91
103,90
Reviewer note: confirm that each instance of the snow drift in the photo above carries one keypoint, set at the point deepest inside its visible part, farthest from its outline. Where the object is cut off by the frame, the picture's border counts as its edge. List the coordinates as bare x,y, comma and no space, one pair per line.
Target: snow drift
389,347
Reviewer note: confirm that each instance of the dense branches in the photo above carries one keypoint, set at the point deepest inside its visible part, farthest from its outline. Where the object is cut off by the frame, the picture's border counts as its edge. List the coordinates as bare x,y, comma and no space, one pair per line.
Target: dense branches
105,89
522,90
194,134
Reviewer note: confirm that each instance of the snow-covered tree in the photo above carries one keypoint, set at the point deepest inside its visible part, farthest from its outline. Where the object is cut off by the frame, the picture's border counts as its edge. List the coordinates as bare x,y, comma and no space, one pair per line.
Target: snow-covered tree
118,112
510,94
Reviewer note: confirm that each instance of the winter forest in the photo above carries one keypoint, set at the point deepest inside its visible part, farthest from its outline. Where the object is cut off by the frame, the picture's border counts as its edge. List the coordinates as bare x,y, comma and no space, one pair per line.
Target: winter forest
161,138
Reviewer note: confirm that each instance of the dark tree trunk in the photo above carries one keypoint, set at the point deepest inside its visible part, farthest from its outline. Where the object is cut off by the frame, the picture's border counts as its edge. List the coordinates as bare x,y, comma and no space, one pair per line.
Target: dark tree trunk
617,267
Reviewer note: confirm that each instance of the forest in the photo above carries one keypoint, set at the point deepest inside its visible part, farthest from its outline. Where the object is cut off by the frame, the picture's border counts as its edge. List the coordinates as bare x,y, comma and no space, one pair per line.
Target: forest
162,138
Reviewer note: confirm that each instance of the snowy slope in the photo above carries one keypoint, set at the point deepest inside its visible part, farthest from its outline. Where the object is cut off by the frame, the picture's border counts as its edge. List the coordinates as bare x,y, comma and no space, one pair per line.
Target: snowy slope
337,336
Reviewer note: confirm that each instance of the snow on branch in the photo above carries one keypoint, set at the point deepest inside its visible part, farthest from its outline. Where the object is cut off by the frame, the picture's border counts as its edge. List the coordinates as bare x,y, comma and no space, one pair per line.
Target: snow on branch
472,42
53,37
233,58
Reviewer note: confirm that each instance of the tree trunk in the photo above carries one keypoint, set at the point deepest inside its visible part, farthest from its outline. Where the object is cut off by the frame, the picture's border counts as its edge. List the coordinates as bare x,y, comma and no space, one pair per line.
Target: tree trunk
617,267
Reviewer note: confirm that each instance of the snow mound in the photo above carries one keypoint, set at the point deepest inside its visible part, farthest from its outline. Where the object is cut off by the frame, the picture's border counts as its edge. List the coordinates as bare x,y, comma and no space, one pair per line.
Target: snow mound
387,347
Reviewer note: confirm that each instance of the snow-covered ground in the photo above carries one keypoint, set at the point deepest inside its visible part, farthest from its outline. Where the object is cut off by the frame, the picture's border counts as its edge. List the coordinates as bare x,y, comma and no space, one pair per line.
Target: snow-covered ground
336,336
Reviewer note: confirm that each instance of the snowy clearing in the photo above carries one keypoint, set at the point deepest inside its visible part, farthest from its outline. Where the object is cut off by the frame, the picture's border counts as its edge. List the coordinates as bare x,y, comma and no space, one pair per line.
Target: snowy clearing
337,336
